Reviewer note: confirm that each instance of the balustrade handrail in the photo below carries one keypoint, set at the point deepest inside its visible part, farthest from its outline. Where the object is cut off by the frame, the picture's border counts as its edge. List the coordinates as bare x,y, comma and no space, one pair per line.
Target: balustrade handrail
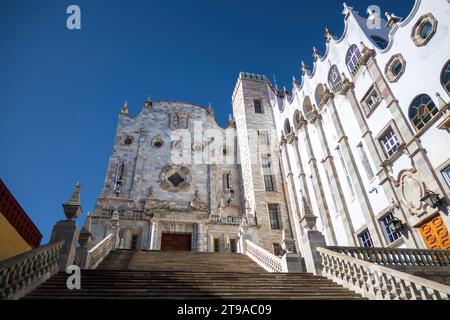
397,256
100,251
264,258
376,281
22,273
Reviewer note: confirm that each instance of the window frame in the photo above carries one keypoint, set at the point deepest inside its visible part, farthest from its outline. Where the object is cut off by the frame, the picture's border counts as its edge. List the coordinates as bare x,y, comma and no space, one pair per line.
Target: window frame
261,109
336,85
352,58
430,113
363,241
416,36
390,76
274,211
368,110
391,126
389,235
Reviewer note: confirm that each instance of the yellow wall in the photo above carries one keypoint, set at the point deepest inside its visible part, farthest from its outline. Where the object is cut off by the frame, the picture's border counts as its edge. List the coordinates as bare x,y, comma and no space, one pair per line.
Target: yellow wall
11,242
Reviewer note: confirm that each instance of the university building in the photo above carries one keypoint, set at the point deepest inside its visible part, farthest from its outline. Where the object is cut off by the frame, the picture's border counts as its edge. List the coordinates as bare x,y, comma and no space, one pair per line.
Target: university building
340,185
362,142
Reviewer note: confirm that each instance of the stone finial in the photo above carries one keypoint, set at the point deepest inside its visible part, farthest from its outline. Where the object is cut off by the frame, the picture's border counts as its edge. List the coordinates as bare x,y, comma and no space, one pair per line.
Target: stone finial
392,19
294,81
231,122
328,34
124,109
308,219
210,110
316,54
148,102
304,67
72,208
441,102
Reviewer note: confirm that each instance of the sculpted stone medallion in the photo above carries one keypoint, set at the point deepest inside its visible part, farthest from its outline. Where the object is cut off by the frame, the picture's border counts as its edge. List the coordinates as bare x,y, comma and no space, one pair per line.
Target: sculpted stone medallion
175,178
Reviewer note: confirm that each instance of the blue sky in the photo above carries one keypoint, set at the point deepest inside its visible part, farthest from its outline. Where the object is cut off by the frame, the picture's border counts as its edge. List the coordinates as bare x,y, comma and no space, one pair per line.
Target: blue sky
61,90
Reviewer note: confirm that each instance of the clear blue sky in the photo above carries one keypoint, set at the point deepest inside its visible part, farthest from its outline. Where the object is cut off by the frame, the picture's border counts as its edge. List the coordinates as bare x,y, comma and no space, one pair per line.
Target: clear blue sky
61,90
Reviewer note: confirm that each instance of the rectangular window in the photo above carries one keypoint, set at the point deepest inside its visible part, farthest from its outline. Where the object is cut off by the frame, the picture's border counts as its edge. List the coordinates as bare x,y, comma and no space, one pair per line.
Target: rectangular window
365,239
233,245
274,215
216,245
365,161
390,142
446,174
372,99
268,183
258,106
389,234
269,178
278,250
347,176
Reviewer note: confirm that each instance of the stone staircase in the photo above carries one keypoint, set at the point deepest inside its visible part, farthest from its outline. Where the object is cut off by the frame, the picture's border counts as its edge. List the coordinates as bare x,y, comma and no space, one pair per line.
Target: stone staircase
127,274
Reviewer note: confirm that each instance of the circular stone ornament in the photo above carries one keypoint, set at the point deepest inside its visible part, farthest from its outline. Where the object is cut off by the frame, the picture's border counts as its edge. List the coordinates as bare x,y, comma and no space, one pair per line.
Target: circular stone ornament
175,178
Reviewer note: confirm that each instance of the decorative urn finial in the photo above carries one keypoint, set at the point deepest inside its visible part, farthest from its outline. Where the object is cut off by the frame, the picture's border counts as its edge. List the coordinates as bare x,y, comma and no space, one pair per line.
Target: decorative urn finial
210,110
72,208
124,109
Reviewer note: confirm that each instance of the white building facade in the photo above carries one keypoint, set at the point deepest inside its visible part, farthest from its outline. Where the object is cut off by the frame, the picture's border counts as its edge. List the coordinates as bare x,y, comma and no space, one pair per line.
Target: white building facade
365,134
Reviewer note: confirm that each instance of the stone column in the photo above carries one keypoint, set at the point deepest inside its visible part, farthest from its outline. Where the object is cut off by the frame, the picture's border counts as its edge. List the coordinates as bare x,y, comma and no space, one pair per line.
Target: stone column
330,167
349,159
317,185
67,230
302,175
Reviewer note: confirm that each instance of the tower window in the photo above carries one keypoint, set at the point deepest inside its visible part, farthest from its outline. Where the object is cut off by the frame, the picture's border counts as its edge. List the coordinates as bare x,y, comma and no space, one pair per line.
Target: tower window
278,250
274,215
257,106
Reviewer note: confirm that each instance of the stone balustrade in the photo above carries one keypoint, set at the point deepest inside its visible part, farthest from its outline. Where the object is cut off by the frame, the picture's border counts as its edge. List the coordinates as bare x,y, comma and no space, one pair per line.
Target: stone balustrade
264,258
376,281
21,274
397,257
100,251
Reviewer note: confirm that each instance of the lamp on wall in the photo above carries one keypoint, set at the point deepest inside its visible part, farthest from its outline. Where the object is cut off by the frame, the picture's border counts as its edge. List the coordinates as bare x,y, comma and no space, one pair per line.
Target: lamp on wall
431,198
396,224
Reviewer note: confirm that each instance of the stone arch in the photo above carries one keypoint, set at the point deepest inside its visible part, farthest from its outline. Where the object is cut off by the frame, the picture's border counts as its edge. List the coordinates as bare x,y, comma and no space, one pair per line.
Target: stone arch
319,93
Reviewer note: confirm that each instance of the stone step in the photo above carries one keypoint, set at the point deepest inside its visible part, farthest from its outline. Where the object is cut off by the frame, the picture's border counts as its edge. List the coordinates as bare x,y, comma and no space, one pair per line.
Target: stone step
127,274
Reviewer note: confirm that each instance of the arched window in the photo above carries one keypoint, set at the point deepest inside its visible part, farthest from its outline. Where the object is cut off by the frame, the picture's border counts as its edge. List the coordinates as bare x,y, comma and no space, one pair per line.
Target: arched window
445,77
352,59
334,79
307,106
422,110
380,42
319,94
296,119
287,127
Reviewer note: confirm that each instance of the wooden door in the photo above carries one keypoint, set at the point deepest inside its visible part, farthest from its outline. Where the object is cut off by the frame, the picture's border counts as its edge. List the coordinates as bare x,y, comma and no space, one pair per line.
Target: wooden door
176,241
435,234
